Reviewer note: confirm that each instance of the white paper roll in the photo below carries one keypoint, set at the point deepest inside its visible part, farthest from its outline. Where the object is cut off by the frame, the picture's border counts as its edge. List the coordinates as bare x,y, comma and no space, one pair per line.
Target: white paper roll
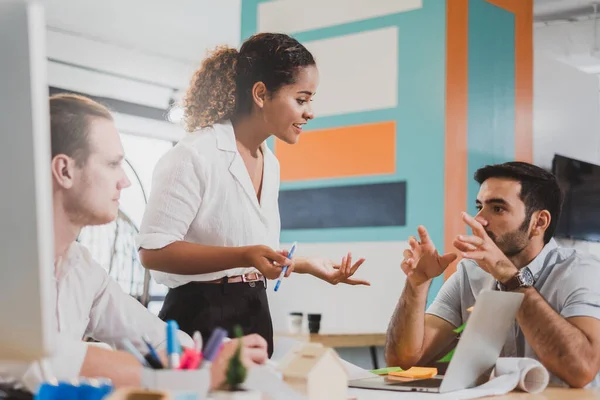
533,376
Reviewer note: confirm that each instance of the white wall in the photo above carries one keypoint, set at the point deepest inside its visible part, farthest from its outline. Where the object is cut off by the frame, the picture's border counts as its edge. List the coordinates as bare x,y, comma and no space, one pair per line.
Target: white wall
101,74
566,112
566,120
120,61
570,42
344,308
154,40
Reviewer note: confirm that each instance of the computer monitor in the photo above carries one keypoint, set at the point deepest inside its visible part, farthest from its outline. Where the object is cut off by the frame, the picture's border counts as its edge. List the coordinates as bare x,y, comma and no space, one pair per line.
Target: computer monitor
27,291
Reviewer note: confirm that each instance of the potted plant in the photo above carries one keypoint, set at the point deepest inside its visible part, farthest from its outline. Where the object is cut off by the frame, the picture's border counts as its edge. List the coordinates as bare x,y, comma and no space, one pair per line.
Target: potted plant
235,376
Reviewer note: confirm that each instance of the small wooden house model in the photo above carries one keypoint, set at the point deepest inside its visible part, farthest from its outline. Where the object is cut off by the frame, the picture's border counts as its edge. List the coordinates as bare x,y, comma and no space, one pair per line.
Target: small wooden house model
315,372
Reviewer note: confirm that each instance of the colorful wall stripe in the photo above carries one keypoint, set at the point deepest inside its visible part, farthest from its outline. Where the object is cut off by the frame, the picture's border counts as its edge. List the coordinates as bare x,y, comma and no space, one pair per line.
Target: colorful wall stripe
356,150
352,206
523,11
491,90
456,155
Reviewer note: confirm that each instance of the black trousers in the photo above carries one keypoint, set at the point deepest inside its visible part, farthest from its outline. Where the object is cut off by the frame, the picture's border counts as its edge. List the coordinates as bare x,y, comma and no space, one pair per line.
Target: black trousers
203,307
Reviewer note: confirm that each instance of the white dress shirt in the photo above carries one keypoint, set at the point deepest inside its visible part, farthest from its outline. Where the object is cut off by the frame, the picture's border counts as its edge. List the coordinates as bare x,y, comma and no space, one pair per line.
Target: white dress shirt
202,193
91,304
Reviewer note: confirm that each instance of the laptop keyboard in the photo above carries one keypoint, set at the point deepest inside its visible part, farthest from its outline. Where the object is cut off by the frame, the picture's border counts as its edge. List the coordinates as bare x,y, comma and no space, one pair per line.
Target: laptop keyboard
424,383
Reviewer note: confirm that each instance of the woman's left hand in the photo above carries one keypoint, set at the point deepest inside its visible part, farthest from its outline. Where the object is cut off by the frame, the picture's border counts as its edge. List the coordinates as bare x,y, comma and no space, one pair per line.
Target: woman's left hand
334,273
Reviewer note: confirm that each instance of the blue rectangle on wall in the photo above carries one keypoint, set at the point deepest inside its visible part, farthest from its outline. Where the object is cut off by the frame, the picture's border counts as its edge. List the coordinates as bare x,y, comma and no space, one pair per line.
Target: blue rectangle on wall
381,204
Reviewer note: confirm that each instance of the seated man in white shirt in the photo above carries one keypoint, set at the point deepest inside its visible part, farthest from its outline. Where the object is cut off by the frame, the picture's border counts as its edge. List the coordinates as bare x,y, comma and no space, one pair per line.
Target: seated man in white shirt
87,181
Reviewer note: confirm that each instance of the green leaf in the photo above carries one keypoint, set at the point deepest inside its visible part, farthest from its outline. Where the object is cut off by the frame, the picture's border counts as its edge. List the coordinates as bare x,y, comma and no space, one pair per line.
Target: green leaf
447,357
236,371
237,330
460,328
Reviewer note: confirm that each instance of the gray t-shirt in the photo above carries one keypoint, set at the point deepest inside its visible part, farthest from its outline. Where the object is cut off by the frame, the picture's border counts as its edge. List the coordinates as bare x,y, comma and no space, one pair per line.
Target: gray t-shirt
567,279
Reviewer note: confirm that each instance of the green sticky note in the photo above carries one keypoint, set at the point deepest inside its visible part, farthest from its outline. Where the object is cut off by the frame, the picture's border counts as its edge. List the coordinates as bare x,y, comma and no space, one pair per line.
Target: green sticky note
385,371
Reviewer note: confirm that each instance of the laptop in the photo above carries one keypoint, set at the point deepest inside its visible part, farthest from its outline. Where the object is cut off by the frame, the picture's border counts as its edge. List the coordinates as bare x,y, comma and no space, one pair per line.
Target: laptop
476,353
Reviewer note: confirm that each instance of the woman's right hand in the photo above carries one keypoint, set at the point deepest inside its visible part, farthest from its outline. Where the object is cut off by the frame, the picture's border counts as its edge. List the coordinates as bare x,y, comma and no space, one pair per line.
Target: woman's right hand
268,261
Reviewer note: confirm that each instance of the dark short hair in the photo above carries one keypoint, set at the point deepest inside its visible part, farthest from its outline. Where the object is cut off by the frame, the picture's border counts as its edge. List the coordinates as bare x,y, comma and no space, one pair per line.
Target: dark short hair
539,189
70,118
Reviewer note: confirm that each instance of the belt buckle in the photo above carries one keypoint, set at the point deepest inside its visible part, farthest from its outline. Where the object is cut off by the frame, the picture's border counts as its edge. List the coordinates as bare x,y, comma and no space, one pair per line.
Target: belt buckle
245,279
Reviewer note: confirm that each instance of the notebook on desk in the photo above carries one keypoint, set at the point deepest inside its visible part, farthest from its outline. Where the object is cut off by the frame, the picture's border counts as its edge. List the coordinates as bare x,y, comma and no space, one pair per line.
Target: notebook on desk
476,353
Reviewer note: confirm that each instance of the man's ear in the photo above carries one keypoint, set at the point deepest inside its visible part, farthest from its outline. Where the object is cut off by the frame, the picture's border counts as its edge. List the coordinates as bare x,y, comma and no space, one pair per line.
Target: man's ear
63,169
541,222
259,94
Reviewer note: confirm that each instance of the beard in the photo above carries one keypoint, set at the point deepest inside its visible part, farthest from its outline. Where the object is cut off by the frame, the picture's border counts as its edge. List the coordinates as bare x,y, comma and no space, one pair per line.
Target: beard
82,206
85,213
514,242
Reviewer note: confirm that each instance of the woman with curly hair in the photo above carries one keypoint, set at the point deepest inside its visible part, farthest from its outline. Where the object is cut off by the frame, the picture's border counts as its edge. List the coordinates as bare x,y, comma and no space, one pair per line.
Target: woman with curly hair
212,221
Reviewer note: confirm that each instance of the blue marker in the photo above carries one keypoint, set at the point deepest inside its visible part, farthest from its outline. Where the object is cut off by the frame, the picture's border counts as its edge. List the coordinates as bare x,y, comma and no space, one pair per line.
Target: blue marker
173,344
284,270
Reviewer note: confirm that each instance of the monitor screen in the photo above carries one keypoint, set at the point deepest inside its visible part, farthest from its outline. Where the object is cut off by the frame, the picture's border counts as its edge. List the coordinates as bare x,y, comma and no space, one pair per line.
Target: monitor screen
27,288
580,182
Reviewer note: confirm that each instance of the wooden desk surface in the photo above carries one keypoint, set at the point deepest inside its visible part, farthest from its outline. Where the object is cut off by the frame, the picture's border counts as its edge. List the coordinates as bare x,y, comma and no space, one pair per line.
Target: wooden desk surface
548,394
552,394
378,339
340,340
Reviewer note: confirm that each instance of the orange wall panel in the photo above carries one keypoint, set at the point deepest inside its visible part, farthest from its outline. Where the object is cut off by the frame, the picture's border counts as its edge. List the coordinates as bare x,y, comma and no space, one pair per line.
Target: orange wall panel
455,172
359,150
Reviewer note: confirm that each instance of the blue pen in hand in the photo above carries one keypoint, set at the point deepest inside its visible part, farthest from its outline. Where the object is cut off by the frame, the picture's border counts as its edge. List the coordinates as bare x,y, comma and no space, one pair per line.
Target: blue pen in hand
284,270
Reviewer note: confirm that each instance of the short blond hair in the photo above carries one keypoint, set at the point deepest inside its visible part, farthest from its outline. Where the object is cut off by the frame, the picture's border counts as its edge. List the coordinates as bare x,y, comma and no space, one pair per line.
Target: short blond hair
70,116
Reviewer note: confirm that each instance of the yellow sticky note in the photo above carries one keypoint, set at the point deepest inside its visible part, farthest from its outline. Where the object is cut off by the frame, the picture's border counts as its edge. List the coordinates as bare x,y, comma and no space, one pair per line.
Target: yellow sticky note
416,373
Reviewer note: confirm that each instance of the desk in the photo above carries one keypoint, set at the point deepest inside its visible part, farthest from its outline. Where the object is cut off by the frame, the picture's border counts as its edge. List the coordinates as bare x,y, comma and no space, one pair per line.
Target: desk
553,394
370,340
548,394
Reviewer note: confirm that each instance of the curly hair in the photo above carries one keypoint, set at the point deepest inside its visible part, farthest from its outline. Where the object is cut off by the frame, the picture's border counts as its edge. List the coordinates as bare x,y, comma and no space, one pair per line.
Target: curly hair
211,95
222,87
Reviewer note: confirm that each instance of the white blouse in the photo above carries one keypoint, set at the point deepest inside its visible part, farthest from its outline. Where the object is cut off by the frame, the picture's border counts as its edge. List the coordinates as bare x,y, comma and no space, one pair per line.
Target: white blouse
202,193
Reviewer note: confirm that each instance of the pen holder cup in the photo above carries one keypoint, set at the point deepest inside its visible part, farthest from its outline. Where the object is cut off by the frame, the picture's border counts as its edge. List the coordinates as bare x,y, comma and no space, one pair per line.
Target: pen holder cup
192,384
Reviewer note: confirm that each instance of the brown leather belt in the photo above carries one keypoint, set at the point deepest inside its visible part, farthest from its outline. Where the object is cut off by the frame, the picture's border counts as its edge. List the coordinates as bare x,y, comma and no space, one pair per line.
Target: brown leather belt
251,277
